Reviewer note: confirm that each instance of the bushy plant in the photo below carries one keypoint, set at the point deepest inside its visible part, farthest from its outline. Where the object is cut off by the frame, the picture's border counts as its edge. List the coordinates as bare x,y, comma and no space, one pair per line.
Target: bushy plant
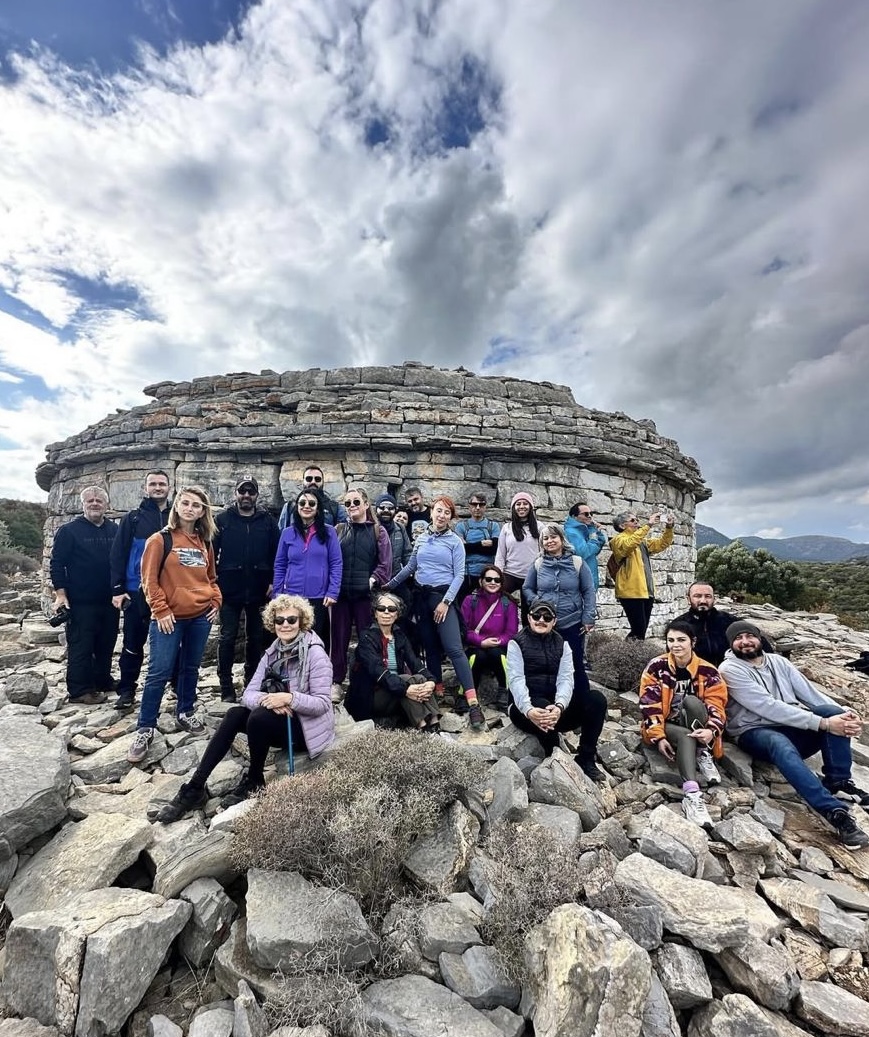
351,823
619,663
531,872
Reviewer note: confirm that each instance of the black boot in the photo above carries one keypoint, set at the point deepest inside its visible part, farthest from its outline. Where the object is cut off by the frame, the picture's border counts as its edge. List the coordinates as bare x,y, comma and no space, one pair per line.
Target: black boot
188,799
586,763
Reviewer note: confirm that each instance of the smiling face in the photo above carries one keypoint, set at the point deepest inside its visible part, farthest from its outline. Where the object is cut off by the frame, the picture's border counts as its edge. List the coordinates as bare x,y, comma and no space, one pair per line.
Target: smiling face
287,625
522,508
386,612
306,503
157,489
747,646
93,506
552,543
414,501
541,619
356,504
680,645
440,516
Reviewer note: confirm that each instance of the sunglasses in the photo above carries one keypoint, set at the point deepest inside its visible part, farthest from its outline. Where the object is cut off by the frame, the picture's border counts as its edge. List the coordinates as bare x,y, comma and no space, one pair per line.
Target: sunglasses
314,478
585,514
307,504
385,608
385,507
353,502
541,616
477,504
492,579
290,621
246,493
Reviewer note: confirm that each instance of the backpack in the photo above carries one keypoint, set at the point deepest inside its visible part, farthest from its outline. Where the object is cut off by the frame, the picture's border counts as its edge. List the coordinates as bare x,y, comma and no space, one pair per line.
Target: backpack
613,565
577,563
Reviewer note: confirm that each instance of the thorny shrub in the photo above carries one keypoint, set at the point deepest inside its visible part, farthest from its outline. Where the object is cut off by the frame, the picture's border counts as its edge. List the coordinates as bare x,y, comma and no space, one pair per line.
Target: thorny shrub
619,663
351,824
531,872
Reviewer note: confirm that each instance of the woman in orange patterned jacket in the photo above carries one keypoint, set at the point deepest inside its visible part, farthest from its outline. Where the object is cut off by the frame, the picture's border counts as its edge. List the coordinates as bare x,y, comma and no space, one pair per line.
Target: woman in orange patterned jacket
683,701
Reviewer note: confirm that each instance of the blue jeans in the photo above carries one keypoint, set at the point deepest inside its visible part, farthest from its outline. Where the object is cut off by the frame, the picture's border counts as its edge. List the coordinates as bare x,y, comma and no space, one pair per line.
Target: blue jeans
788,747
183,646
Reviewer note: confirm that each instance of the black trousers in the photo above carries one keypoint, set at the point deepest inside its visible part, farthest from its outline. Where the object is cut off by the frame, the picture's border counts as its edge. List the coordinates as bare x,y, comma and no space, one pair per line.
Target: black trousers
230,620
265,730
488,660
91,632
638,612
137,619
586,713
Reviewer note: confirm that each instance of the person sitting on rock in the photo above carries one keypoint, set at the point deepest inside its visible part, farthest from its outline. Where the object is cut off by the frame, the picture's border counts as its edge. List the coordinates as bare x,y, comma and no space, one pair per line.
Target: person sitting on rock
386,678
776,715
289,696
540,679
683,701
491,618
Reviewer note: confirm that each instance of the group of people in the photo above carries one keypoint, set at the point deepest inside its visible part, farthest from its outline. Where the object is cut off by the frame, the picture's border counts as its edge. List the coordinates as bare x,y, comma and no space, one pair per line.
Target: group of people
516,601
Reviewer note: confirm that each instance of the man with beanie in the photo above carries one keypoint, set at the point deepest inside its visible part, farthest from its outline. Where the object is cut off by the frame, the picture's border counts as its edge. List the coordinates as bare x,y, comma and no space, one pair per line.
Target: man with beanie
776,715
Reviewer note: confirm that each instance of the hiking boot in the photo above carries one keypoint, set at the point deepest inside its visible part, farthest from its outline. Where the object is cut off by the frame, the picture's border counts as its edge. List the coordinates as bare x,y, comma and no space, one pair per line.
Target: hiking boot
706,768
141,744
242,791
125,700
476,718
847,791
590,769
187,799
227,694
846,828
460,706
191,723
90,698
695,810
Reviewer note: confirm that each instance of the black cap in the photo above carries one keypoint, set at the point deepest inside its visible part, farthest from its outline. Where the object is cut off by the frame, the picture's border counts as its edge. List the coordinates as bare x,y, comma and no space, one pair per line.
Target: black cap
247,480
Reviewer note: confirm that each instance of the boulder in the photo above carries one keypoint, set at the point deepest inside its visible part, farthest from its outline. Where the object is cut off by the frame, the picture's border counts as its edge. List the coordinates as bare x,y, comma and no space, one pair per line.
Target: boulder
414,1006
508,791
233,962
561,822
111,763
26,689
735,1015
439,861
815,911
558,780
765,971
742,832
841,893
201,856
445,928
478,977
833,1010
682,975
32,798
249,1019
659,1018
209,924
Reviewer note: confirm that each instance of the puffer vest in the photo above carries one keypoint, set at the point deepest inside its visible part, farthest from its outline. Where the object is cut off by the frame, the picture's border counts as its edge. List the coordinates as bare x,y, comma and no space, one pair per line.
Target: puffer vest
542,657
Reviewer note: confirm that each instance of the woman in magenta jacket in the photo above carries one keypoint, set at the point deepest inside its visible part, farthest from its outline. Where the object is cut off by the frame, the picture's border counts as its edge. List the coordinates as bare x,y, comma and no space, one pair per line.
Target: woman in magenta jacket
491,619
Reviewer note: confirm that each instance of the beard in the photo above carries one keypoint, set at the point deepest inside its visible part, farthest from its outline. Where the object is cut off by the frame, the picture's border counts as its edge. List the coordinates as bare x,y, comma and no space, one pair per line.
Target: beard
701,608
748,653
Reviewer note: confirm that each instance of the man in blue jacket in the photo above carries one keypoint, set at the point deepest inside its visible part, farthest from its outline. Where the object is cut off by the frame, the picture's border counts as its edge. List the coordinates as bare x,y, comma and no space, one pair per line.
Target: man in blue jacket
126,576
245,548
585,537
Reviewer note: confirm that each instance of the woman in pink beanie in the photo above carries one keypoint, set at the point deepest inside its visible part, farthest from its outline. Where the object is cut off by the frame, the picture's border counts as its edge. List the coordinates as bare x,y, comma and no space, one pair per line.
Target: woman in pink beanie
518,542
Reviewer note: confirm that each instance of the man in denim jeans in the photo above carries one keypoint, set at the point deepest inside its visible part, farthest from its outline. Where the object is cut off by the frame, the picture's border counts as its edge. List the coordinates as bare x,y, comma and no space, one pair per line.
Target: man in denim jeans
777,716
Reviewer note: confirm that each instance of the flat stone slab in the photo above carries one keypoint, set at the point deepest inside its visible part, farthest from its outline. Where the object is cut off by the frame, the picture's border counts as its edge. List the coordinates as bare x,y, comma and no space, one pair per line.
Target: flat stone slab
839,892
414,1006
32,797
110,763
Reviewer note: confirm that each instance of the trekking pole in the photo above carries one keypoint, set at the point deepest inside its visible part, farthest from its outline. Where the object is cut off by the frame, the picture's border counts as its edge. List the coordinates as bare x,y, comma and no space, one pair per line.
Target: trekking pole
291,760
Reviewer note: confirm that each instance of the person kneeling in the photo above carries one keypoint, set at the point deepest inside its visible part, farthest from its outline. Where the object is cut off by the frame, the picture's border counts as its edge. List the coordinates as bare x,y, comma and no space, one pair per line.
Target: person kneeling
387,681
540,678
289,697
683,701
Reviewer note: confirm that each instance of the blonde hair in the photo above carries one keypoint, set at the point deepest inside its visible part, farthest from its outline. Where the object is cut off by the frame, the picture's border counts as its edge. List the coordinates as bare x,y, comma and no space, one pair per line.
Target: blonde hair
204,525
369,511
289,601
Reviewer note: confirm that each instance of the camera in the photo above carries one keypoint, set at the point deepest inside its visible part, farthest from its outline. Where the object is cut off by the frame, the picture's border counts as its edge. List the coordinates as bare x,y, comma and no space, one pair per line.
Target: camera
60,617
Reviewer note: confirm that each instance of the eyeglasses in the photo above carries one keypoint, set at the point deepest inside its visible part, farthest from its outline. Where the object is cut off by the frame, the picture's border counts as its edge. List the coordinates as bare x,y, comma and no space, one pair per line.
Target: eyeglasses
385,608
632,520
541,616
492,579
353,502
305,503
314,478
290,621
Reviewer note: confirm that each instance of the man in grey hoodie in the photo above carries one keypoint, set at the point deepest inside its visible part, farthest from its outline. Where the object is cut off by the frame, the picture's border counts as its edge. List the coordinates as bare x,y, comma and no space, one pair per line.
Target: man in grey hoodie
776,715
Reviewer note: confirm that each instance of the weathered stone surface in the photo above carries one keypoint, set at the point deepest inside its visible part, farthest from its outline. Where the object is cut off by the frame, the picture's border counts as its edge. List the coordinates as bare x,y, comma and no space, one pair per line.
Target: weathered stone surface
26,1028
134,803
212,1022
85,965
477,976
210,921
445,928
32,798
82,856
508,789
659,1018
833,1010
287,916
768,815
674,823
233,962
711,917
683,975
667,850
162,1026
204,856
586,976
414,1006
815,911
440,861
26,689
841,893
765,971
742,832
736,1016
608,833
249,1019
561,822
111,764
807,953
558,780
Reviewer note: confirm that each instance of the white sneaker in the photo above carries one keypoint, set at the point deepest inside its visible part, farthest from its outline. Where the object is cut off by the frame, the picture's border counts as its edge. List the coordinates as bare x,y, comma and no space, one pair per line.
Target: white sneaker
695,810
706,767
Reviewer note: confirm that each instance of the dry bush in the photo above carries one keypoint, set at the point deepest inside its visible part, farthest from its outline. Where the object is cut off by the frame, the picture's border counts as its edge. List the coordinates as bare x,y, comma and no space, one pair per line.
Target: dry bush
531,872
351,824
618,663
319,990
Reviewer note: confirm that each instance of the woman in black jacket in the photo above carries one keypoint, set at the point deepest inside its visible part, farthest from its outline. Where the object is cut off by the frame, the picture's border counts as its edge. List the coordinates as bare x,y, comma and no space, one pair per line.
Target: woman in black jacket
387,680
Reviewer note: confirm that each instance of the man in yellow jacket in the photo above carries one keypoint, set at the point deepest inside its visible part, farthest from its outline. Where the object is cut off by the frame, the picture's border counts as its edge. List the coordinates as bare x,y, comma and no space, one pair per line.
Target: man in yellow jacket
632,548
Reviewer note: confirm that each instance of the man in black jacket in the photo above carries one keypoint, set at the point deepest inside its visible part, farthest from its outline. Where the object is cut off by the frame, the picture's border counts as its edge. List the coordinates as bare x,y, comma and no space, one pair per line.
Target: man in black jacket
708,623
80,574
245,548
126,561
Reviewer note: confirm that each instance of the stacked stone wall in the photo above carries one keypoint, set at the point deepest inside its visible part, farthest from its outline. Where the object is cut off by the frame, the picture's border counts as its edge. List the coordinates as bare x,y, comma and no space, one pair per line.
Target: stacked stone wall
388,428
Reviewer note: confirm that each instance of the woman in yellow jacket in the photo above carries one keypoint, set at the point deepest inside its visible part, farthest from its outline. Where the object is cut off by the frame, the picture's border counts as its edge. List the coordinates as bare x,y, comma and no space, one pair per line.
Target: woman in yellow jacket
635,585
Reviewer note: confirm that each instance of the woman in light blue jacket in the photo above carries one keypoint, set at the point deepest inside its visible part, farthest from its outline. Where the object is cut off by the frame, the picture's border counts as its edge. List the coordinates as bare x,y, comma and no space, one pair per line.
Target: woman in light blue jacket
585,537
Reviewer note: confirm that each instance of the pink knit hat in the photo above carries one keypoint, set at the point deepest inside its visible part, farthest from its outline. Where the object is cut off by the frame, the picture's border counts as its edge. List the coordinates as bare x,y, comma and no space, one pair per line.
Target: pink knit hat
522,495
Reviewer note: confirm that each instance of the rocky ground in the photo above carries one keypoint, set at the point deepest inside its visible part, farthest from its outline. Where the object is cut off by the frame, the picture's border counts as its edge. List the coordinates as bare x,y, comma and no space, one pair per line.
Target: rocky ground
112,923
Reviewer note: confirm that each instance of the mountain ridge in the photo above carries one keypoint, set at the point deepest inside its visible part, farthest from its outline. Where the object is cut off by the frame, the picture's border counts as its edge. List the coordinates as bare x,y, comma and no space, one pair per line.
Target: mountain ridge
807,548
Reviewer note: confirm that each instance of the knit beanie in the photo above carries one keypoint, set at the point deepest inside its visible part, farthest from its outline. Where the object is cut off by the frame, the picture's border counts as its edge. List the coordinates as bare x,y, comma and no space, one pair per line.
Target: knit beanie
522,495
741,626
385,498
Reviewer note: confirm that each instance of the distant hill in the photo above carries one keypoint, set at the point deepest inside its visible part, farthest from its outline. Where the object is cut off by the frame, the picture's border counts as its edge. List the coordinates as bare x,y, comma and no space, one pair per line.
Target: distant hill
790,549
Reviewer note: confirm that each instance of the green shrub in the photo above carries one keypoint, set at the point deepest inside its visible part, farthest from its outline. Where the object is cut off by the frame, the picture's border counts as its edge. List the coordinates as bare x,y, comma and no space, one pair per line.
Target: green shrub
351,823
619,663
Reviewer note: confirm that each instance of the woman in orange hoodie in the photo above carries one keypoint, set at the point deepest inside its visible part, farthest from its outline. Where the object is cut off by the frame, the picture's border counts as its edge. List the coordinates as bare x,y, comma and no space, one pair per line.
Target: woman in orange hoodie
180,585
683,701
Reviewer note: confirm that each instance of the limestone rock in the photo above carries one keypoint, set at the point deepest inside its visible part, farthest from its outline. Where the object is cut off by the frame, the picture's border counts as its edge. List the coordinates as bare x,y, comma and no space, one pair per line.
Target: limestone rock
32,798
693,837
815,911
735,1015
841,893
209,924
439,861
769,816
558,780
86,964
249,1019
212,1022
26,689
111,764
233,962
659,1019
667,850
162,1026
682,975
711,917
288,916
833,1010
445,928
509,791
204,856
82,856
26,1028
414,1006
744,833
477,976
562,822
765,971
586,976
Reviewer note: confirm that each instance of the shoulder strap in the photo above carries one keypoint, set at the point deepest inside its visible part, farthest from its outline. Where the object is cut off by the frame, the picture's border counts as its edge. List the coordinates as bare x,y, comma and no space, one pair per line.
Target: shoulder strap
486,615
538,561
577,562
167,549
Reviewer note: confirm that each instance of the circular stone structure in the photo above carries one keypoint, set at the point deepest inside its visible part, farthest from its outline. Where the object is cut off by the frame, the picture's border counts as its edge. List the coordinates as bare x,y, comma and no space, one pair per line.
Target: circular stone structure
386,429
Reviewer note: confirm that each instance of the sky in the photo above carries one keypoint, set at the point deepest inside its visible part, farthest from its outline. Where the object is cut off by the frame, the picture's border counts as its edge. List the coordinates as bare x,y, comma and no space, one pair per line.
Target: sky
661,205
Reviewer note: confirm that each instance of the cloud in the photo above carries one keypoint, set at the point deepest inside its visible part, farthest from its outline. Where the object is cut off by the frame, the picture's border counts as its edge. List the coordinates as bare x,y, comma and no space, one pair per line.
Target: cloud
770,534
651,203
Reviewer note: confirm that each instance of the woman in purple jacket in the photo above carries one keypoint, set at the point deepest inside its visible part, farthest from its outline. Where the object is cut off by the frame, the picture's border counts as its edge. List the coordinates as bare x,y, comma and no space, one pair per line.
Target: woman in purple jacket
295,702
491,619
308,560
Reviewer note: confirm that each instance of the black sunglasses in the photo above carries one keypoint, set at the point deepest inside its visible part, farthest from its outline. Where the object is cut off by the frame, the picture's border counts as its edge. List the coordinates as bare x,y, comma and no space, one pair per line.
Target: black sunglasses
542,616
385,608
313,478
246,493
353,502
306,502
492,579
290,621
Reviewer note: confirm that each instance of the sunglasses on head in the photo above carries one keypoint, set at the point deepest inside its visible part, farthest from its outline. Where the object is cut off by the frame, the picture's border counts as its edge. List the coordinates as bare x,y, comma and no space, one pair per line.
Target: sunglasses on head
290,621
492,579
314,478
353,502
385,608
542,615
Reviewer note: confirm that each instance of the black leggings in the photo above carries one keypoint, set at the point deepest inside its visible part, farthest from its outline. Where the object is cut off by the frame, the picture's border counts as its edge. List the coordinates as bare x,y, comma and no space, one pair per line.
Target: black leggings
488,660
265,730
638,612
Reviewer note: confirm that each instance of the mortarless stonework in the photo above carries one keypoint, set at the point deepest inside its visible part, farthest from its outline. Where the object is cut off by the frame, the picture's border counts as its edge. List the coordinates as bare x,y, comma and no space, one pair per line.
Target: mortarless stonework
387,428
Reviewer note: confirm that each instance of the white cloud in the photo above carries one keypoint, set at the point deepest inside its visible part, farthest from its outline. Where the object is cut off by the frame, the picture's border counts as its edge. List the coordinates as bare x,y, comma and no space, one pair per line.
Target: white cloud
770,534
